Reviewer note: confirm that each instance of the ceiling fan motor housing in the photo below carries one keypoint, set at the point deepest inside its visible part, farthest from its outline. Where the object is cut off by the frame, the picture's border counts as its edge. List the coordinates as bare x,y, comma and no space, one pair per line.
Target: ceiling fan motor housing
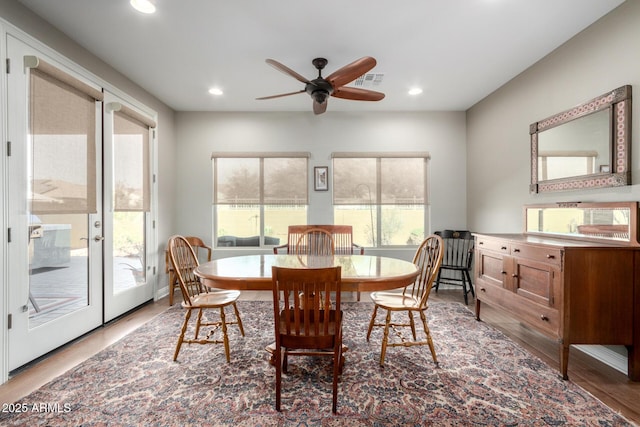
319,89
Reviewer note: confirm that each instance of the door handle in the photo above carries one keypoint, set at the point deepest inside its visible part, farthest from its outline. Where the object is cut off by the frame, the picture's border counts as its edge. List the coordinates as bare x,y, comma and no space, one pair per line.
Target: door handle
98,238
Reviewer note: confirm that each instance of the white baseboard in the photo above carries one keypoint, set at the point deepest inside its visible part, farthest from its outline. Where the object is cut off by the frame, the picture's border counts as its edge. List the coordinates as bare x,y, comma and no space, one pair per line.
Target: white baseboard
606,356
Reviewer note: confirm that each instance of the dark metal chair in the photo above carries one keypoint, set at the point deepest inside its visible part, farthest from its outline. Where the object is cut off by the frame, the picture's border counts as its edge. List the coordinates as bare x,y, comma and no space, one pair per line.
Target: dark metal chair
457,261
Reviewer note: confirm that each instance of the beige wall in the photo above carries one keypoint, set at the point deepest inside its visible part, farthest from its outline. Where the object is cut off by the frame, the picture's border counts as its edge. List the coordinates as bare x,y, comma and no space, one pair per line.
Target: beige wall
601,58
442,134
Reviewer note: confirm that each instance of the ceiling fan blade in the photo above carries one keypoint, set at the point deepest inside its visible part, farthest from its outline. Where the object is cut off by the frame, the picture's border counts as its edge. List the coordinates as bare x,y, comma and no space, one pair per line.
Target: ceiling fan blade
283,68
350,72
319,108
281,95
357,94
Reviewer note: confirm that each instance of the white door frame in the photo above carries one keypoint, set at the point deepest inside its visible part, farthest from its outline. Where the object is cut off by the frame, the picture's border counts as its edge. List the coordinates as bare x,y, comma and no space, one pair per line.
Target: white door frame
27,343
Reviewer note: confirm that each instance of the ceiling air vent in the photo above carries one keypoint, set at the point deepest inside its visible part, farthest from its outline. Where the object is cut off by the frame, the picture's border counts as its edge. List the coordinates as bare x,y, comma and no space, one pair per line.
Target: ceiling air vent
368,80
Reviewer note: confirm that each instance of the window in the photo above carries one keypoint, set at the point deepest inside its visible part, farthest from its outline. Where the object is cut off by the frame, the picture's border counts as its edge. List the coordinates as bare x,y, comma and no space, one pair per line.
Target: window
257,196
383,195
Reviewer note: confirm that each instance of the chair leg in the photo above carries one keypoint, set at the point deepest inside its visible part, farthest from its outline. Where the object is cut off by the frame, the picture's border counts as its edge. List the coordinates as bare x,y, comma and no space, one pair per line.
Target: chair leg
464,288
225,337
429,339
412,324
187,315
337,357
198,324
466,272
385,337
278,364
372,322
437,285
235,309
172,288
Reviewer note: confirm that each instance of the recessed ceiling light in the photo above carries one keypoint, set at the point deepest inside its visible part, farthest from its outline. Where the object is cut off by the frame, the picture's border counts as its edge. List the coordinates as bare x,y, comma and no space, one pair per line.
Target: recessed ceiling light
215,91
144,6
415,91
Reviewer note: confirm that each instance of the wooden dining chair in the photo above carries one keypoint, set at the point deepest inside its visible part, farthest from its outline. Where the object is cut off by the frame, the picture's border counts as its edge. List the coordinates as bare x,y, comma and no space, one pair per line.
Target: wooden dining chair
315,241
413,298
196,297
202,250
341,236
308,319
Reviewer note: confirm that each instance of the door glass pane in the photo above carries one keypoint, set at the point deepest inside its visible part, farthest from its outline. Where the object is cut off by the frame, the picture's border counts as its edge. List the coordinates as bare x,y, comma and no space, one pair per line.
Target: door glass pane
131,200
62,177
58,266
128,250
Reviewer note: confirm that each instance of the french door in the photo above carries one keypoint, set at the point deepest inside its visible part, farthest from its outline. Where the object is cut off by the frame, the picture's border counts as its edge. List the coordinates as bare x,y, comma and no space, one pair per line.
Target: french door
128,142
79,208
55,213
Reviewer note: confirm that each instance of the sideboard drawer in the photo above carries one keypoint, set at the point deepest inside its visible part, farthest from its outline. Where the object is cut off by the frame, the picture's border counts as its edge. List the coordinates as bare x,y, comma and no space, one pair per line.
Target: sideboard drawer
493,245
544,319
537,253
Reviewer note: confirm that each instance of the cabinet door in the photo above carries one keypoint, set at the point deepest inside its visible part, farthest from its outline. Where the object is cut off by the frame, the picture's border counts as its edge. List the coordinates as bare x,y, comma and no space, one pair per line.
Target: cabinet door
536,281
490,268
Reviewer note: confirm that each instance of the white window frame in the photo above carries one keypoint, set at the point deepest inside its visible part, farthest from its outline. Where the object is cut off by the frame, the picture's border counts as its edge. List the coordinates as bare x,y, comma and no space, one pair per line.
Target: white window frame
261,156
377,196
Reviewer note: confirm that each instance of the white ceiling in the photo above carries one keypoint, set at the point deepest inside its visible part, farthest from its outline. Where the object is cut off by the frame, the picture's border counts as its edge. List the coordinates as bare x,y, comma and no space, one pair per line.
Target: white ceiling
458,51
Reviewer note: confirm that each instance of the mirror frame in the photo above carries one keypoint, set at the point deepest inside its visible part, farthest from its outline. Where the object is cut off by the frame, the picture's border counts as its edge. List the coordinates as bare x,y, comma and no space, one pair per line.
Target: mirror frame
618,101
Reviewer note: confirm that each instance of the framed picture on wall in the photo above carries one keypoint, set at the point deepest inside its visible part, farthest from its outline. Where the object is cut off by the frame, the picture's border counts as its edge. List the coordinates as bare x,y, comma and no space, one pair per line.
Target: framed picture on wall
321,178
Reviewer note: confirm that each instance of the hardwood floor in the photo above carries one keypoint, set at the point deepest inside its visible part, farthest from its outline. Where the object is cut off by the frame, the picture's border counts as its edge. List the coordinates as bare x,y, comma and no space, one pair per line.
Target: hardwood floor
605,383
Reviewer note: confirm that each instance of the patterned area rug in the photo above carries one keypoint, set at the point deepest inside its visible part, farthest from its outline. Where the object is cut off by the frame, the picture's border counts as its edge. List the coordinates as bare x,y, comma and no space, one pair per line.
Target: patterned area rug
483,379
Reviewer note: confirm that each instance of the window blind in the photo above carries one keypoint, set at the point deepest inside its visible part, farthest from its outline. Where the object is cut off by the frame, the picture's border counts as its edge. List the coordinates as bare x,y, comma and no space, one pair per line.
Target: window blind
62,127
379,178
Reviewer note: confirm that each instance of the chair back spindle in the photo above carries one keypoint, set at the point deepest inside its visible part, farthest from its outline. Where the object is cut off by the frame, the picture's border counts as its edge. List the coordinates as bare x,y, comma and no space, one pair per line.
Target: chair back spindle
427,259
315,241
184,260
342,237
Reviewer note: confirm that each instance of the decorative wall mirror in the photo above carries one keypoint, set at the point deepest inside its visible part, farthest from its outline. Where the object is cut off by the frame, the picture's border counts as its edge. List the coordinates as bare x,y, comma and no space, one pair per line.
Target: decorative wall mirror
587,146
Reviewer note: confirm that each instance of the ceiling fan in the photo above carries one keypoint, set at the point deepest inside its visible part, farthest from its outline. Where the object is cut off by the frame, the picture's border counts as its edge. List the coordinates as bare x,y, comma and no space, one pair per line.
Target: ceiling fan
321,88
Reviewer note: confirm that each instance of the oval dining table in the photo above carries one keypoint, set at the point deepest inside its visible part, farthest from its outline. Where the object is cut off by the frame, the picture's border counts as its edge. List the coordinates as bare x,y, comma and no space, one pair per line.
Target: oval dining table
364,273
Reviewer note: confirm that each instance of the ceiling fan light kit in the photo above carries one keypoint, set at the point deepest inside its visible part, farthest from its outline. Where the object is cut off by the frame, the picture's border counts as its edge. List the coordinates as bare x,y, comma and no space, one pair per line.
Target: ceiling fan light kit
320,88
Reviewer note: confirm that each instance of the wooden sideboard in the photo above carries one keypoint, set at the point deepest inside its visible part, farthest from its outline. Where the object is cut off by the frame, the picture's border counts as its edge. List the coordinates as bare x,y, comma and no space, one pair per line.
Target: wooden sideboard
574,291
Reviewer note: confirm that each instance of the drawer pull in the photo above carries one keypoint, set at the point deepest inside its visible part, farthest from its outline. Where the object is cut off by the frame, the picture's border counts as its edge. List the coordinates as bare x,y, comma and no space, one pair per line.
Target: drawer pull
549,256
504,248
503,272
514,275
516,250
544,318
483,290
481,242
